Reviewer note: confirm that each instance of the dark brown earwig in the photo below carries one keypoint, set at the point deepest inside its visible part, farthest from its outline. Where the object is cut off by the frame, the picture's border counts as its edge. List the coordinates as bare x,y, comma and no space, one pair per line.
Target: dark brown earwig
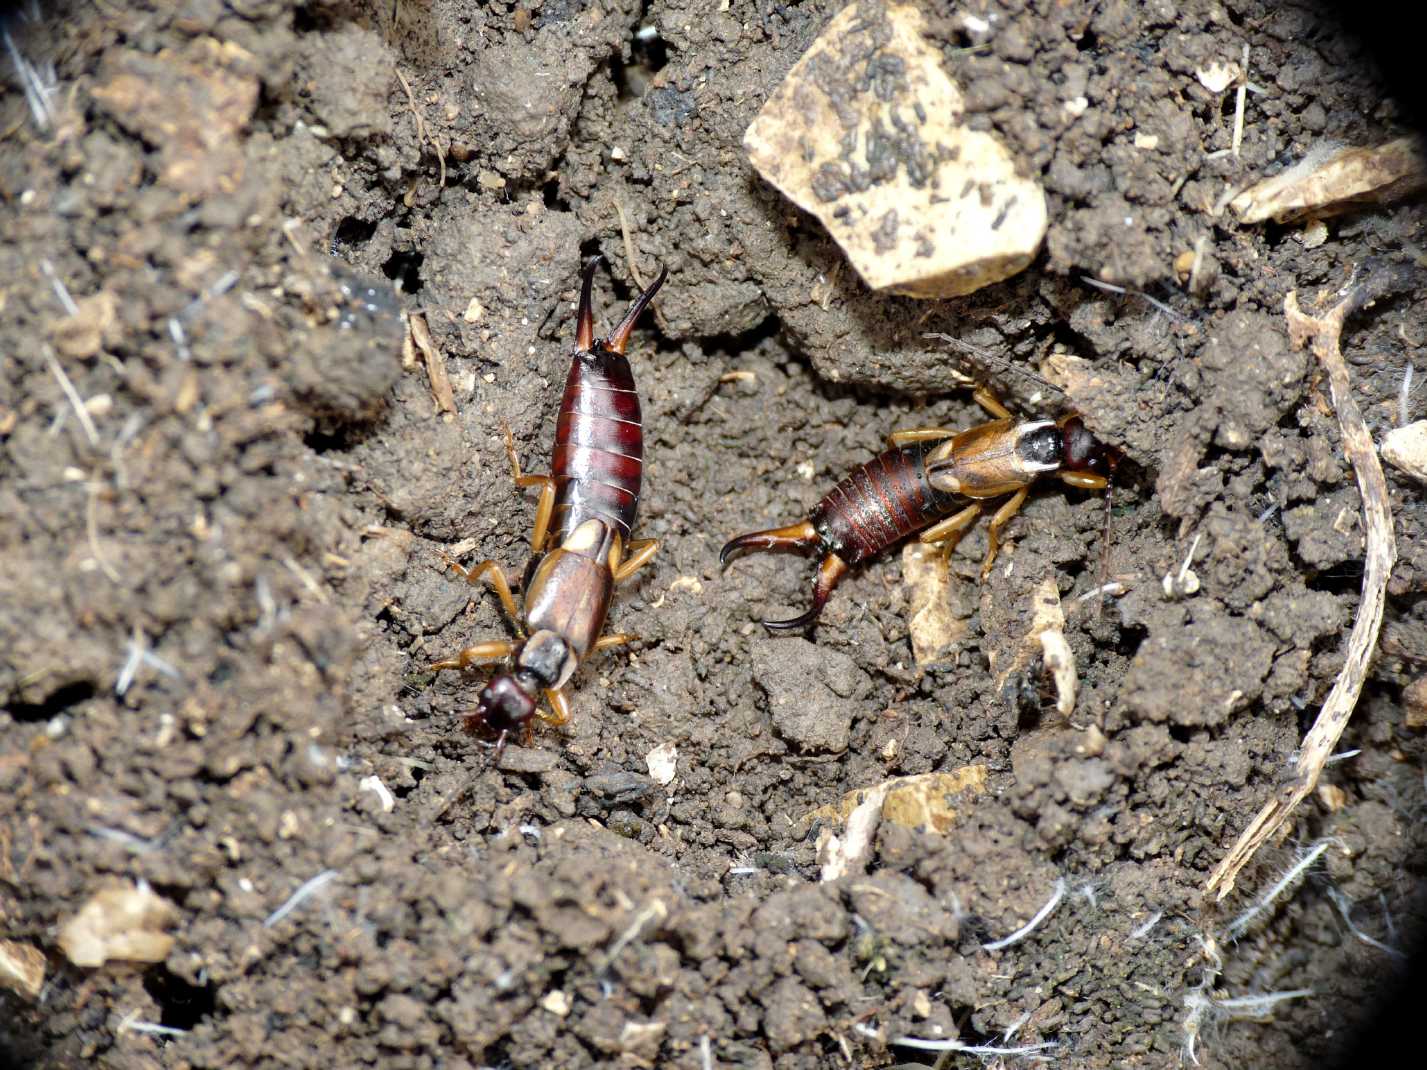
592,497
919,480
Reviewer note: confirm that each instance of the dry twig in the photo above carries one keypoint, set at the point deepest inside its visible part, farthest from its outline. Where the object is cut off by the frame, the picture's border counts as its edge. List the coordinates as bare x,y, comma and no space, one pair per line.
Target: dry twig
422,133
435,362
1324,334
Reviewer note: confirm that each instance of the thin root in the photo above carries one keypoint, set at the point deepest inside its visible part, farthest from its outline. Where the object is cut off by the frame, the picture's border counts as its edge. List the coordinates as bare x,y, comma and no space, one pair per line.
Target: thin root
1324,333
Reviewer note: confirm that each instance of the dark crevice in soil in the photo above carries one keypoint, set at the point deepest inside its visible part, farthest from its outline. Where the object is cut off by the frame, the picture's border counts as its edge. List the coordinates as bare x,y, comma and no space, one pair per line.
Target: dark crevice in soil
401,791
731,345
1069,338
20,1043
648,54
58,702
182,1005
353,231
1345,579
1182,733
404,268
337,437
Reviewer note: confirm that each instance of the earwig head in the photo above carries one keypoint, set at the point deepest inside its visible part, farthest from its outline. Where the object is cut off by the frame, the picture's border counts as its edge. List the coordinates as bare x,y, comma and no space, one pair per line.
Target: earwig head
1083,452
506,704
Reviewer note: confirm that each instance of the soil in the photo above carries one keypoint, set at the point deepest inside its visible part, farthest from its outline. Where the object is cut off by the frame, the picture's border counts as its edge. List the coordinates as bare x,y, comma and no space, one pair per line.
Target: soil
221,591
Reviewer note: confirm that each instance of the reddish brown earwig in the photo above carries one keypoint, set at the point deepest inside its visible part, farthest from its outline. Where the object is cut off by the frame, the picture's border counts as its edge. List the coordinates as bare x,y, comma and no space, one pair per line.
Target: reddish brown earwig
581,540
920,479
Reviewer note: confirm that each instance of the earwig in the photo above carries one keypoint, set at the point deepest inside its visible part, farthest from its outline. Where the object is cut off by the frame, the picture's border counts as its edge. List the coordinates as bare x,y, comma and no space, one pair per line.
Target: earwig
581,546
920,479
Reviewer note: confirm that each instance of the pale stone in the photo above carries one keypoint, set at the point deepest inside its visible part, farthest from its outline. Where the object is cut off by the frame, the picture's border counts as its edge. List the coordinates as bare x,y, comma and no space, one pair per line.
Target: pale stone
22,968
1217,77
662,761
1405,448
866,133
123,923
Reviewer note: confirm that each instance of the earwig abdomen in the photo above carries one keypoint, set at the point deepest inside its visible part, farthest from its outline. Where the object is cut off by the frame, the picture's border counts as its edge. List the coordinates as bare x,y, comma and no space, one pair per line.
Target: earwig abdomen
879,503
599,445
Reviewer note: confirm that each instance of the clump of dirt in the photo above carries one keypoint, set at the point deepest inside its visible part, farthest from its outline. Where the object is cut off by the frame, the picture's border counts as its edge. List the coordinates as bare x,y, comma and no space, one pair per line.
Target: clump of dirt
227,503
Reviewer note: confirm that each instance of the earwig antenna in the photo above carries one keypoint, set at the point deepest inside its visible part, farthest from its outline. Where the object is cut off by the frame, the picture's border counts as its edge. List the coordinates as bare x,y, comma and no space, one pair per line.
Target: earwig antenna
986,359
1105,549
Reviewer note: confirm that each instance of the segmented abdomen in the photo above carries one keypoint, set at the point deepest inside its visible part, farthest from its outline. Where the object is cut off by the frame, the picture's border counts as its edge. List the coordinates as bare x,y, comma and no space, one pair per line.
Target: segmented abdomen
599,446
879,503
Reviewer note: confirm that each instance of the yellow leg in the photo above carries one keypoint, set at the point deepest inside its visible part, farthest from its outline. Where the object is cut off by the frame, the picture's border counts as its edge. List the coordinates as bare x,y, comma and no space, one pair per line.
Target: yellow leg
1084,480
606,642
545,507
559,708
984,397
478,654
640,551
948,532
897,439
498,581
999,521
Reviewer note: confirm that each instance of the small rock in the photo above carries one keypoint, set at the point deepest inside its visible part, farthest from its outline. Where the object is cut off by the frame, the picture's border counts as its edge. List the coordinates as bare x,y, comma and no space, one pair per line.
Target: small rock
1314,233
866,133
374,784
619,789
641,1040
124,923
557,1003
518,759
662,761
1217,76
22,968
1405,448
809,698
93,327
1414,700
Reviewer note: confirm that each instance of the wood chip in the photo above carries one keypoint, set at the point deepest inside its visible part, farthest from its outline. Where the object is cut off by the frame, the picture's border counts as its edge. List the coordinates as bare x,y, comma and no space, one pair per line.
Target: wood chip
937,617
124,923
22,968
434,361
1330,180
